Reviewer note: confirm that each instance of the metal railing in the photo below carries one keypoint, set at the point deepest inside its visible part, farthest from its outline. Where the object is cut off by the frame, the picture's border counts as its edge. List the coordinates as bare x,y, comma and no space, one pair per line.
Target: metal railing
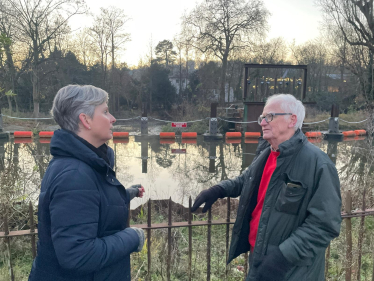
7,235
148,227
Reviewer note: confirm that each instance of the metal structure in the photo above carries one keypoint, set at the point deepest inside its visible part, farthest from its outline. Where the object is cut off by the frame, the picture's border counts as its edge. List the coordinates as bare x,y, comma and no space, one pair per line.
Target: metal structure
248,66
252,109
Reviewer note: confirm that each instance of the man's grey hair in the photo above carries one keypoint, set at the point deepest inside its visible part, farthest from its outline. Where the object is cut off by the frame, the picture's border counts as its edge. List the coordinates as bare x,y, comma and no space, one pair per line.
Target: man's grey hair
72,100
289,104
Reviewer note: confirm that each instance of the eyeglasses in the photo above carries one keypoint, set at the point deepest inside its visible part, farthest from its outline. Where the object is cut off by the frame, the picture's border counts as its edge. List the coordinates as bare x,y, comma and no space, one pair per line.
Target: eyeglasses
269,117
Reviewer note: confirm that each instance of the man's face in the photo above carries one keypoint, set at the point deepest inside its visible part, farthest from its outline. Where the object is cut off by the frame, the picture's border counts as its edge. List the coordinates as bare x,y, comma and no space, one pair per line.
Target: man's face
279,129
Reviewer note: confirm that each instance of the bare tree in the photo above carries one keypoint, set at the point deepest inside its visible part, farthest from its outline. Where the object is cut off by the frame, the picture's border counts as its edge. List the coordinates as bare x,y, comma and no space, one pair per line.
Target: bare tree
115,20
39,22
313,54
221,26
354,22
272,51
10,49
101,37
83,47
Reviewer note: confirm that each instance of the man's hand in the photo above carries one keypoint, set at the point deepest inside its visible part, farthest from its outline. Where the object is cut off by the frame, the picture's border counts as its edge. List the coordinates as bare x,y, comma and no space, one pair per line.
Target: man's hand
274,267
208,196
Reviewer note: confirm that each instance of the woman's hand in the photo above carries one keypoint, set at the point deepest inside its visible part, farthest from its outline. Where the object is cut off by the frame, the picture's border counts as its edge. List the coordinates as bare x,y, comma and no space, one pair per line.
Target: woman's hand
141,191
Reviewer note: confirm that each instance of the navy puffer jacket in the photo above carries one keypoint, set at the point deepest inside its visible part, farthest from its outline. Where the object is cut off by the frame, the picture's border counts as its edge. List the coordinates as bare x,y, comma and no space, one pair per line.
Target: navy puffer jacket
83,211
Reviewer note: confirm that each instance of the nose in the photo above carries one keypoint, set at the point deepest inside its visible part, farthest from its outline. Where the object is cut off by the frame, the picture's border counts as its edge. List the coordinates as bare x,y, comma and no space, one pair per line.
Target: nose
263,122
112,119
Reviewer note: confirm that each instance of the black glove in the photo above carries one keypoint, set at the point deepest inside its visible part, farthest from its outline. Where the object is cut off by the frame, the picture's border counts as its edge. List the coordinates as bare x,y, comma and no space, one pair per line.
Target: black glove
274,267
208,196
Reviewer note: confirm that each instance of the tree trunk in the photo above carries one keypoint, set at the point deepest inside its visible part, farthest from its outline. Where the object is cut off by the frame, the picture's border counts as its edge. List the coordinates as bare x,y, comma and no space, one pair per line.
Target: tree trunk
113,92
35,79
223,79
15,101
150,91
9,99
10,79
180,75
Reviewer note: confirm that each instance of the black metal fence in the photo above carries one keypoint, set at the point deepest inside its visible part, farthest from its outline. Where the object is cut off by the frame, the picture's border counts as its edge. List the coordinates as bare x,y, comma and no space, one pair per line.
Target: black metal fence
7,235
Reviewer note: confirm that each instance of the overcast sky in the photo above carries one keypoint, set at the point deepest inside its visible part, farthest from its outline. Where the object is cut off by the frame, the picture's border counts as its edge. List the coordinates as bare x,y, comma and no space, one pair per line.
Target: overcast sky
291,19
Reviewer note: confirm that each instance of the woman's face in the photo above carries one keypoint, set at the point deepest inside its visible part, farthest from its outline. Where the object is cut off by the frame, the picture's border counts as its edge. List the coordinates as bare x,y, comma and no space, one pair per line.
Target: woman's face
102,124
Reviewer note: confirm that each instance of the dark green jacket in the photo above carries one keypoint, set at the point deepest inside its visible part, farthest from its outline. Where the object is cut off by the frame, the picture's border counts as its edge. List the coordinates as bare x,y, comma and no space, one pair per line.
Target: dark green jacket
300,220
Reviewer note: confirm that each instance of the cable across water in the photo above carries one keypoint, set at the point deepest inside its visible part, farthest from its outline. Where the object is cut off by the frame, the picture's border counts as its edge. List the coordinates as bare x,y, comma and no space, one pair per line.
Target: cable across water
168,121
27,118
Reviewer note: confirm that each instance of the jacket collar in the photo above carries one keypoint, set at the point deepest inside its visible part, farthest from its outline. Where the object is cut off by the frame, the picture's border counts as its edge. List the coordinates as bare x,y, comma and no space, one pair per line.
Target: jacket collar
65,144
286,148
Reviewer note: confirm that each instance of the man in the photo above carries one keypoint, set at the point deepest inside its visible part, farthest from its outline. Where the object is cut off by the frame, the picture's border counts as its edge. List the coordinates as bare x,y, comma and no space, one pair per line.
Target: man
289,207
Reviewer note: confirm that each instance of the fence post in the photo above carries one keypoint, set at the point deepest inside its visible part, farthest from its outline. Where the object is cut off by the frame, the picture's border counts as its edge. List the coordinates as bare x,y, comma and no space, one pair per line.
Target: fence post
212,157
333,132
213,124
144,154
189,240
327,263
149,224
213,119
169,240
144,120
348,233
227,233
361,236
209,242
7,243
32,230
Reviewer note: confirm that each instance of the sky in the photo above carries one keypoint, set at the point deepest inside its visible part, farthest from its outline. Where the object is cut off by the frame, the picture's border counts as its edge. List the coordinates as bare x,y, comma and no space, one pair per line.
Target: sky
155,21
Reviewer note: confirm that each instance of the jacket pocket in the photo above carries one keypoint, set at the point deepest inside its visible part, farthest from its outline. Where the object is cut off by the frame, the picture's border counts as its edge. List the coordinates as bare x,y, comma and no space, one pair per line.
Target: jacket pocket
115,219
290,197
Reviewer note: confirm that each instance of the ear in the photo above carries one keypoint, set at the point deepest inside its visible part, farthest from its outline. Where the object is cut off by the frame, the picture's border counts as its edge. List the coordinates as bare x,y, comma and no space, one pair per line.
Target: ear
85,121
293,121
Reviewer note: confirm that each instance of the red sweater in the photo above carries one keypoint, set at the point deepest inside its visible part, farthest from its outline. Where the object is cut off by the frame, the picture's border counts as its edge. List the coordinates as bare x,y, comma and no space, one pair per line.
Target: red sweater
270,166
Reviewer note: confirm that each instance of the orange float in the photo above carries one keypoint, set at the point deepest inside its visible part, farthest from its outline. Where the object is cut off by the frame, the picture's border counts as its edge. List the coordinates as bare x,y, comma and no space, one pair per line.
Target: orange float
120,135
189,135
167,135
22,134
360,132
46,134
313,134
252,135
233,135
349,134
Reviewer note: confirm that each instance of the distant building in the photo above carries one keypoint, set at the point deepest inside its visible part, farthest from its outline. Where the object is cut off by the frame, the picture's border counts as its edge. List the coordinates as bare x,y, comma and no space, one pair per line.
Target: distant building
178,76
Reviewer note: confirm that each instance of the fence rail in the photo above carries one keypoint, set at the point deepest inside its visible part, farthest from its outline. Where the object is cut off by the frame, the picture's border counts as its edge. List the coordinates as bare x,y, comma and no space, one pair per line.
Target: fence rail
149,226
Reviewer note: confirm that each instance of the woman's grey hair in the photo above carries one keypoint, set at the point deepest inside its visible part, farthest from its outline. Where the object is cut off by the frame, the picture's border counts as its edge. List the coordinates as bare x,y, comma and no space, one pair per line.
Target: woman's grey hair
289,104
72,100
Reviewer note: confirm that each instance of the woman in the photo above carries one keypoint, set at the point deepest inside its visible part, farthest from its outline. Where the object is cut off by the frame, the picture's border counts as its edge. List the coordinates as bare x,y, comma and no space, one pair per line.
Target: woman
83,208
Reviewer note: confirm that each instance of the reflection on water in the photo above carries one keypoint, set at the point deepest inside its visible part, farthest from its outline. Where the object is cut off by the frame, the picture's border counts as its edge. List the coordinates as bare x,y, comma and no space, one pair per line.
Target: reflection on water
168,168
